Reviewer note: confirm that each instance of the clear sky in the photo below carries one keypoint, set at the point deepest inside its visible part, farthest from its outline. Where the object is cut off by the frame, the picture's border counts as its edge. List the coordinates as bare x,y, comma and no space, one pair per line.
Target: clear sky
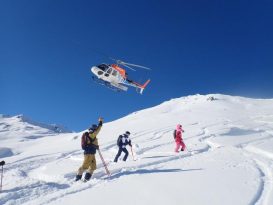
200,46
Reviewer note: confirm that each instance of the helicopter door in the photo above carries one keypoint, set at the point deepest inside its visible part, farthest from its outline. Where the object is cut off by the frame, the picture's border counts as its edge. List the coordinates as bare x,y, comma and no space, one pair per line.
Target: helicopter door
108,72
112,75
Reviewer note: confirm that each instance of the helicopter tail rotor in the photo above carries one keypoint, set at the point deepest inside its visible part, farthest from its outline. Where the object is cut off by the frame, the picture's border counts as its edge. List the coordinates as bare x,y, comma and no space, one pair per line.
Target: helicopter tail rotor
142,87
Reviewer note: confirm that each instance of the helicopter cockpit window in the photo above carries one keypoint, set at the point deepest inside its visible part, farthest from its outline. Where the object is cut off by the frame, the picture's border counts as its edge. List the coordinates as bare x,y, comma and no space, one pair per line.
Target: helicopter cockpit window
114,73
109,70
103,67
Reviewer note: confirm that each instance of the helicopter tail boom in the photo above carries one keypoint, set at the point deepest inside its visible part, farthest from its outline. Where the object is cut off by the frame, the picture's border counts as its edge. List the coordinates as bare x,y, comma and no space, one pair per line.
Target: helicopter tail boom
142,87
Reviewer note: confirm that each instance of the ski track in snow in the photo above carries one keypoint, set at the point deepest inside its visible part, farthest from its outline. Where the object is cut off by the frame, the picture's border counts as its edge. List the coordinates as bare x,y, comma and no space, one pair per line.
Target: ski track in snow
28,188
32,187
264,193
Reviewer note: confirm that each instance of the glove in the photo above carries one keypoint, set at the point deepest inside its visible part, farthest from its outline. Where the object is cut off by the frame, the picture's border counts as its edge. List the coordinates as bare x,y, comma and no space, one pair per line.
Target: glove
100,119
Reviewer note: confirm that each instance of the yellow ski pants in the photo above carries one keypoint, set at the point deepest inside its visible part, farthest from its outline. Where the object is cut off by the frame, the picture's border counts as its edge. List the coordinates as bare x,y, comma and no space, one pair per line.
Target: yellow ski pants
89,164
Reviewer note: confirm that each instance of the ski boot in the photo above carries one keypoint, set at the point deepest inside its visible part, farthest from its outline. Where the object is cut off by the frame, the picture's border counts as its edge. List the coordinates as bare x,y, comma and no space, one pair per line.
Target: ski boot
78,177
87,177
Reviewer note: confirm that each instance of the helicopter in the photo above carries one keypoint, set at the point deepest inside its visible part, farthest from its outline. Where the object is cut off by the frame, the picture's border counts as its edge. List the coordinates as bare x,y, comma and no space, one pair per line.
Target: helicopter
115,77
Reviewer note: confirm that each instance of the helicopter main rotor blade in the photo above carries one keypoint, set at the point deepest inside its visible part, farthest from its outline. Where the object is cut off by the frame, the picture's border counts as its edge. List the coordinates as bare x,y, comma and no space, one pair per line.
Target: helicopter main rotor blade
127,66
113,59
140,66
117,61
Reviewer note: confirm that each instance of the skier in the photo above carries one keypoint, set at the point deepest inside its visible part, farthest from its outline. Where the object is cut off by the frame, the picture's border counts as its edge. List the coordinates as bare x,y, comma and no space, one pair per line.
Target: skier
90,145
122,141
178,138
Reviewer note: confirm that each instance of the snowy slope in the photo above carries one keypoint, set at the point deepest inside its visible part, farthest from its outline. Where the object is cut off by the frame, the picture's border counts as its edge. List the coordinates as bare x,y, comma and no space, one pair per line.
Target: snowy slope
229,157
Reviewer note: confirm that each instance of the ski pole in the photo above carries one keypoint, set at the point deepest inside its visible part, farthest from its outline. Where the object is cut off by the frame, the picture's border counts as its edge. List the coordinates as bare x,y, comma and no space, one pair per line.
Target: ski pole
104,164
2,170
186,147
133,153
189,151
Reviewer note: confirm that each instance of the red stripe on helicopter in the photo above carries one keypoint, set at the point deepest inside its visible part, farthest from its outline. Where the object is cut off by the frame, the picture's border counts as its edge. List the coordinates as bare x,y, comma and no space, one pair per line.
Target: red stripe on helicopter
120,70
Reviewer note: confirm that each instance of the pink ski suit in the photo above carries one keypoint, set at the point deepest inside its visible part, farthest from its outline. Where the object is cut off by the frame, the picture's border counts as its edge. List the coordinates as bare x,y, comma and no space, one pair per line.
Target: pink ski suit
178,138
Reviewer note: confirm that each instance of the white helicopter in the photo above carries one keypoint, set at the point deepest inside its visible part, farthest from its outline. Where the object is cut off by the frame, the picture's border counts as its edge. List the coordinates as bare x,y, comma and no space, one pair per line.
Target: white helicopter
115,77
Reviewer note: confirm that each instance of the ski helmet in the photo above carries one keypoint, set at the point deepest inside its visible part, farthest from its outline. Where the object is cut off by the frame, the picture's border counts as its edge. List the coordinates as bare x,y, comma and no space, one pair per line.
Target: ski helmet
93,128
178,126
127,133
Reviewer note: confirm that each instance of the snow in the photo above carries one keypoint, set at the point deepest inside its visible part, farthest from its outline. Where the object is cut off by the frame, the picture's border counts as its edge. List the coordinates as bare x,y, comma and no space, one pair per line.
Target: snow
229,157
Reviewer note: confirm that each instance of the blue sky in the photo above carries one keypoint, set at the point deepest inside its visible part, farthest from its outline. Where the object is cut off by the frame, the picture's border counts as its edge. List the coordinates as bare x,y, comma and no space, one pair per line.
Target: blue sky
48,47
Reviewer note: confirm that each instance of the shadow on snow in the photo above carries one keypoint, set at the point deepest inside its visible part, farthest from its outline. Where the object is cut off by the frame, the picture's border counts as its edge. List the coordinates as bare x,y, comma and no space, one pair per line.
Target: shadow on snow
150,171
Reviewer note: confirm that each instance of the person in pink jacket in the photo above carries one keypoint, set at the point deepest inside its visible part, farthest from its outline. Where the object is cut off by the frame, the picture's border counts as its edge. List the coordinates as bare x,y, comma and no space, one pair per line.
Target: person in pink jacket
178,138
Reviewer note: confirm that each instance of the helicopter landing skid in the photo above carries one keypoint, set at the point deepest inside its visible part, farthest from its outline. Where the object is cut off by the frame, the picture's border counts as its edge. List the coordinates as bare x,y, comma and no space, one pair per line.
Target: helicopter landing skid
107,84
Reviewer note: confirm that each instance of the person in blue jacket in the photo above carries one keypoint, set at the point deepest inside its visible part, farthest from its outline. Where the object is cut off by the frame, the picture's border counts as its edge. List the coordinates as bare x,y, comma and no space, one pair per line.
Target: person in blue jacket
122,142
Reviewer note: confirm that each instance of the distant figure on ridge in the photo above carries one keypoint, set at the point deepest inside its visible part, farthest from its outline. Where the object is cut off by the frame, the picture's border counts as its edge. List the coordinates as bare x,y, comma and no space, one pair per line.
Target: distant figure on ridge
178,138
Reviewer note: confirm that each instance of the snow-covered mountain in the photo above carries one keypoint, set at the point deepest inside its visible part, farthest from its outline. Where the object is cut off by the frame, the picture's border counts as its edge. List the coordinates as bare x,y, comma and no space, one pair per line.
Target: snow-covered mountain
17,129
229,157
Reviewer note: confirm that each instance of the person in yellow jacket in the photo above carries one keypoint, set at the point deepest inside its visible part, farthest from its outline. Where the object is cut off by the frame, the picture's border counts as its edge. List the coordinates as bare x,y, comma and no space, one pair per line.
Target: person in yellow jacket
89,145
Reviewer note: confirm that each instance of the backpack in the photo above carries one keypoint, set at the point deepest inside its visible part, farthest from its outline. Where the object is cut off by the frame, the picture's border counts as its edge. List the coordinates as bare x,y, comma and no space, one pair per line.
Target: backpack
174,134
119,140
84,140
